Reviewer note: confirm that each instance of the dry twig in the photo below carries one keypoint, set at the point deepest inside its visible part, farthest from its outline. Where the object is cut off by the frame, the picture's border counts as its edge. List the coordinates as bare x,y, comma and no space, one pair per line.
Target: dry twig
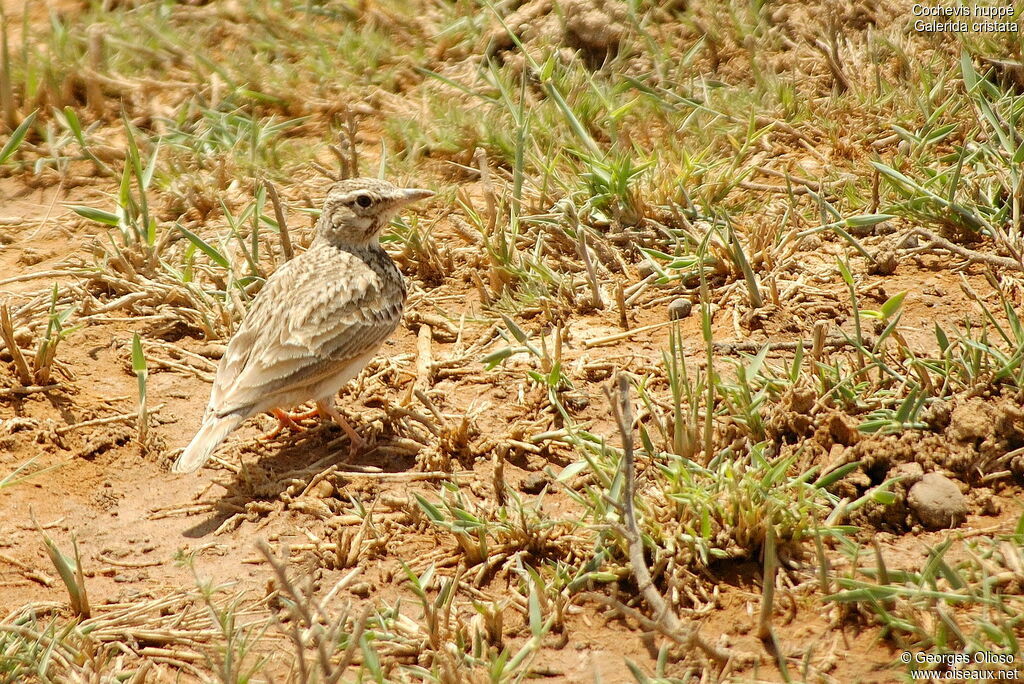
972,256
7,333
282,224
622,409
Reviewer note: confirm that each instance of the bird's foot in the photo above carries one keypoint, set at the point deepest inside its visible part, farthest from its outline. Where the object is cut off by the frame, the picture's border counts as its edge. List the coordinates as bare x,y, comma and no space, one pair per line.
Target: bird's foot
287,421
356,442
311,413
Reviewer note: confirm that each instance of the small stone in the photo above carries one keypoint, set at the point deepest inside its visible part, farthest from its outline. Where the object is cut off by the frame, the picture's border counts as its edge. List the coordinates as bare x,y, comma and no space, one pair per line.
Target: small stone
910,242
937,502
361,589
645,268
861,230
575,402
534,483
679,308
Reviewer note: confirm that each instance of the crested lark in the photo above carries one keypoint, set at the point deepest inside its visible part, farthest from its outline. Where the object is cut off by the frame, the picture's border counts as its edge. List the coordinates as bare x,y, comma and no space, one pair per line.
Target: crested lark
316,322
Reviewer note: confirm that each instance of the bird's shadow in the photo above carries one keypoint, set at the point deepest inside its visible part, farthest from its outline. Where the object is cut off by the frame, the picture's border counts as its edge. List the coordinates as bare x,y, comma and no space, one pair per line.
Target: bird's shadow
289,459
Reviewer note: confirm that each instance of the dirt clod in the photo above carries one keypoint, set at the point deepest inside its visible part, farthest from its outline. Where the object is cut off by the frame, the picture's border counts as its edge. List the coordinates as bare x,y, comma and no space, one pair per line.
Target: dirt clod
884,263
534,483
911,473
970,421
595,27
937,502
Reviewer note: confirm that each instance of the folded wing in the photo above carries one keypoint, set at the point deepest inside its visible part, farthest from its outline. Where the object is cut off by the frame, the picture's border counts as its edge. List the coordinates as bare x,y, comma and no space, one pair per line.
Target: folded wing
313,316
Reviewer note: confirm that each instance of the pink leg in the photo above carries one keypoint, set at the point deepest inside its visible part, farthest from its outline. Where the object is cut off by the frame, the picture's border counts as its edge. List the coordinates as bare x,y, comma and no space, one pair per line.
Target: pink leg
284,421
327,410
311,413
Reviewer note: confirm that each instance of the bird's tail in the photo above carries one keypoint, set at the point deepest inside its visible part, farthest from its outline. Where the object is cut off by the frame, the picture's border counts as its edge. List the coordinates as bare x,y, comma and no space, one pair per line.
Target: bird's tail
202,446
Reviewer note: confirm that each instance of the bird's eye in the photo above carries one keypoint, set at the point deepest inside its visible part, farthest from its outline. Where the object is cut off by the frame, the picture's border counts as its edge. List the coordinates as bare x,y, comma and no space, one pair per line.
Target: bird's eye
364,201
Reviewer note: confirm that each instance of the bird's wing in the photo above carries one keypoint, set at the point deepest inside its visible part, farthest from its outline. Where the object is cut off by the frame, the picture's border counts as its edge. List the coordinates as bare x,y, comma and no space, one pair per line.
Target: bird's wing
314,315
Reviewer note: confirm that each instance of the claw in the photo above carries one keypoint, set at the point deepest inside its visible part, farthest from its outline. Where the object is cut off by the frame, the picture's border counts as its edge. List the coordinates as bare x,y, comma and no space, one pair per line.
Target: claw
323,409
285,420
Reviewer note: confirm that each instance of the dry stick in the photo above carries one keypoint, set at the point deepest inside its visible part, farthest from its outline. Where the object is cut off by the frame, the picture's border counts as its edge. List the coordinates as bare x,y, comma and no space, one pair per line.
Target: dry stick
615,337
620,302
7,332
352,130
652,626
595,288
498,475
622,409
49,210
813,185
781,189
38,274
1002,237
184,367
129,564
301,608
152,651
831,51
480,157
875,194
57,648
820,336
773,290
109,419
424,358
350,650
764,622
1018,205
344,165
29,572
93,93
830,341
416,416
485,295
282,224
326,173
970,255
778,124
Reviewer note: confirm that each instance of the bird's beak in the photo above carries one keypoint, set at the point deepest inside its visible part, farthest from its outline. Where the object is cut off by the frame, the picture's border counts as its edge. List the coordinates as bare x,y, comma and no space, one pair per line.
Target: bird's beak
414,194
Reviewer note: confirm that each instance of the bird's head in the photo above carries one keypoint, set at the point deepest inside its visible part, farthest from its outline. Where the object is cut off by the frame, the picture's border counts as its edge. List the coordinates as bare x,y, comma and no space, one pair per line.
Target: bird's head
358,209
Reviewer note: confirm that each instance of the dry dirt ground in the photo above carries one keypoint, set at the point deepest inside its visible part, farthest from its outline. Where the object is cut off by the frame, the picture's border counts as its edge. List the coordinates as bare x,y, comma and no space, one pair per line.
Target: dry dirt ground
149,541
